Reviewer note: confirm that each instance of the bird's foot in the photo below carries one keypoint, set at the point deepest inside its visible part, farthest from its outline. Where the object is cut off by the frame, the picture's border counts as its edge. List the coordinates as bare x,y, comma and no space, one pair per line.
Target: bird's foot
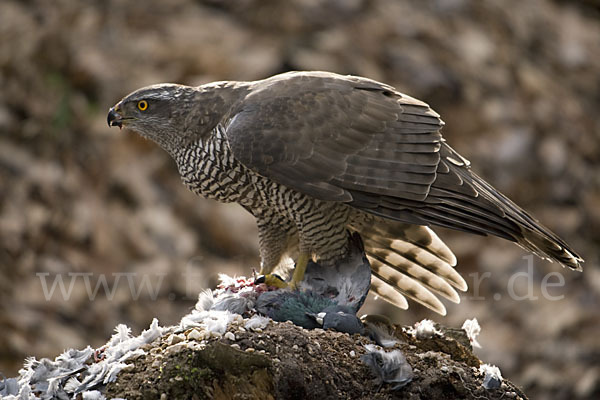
274,280
271,280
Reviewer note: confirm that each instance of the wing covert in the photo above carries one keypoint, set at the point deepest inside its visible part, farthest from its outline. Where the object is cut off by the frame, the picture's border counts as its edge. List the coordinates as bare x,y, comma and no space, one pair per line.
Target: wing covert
329,136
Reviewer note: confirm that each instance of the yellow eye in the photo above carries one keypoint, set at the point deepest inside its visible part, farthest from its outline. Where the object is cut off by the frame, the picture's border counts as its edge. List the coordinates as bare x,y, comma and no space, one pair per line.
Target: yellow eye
142,105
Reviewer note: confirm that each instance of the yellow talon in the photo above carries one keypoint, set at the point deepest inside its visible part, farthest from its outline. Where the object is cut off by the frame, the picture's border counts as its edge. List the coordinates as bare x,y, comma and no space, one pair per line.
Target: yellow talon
273,280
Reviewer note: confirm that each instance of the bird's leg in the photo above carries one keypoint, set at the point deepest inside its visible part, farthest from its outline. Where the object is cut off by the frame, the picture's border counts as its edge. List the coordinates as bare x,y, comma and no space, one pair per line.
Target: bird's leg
300,269
273,240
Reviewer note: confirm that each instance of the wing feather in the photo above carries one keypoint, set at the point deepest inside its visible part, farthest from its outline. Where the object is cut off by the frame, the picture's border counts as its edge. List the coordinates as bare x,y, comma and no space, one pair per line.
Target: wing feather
348,132
358,141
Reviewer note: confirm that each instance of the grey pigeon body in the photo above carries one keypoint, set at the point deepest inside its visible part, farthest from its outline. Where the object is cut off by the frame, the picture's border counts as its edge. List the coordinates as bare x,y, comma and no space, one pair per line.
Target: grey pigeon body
347,283
314,154
329,296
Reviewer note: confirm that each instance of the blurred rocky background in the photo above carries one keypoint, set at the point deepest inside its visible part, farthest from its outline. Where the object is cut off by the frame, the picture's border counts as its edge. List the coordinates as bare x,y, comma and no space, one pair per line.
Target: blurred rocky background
517,83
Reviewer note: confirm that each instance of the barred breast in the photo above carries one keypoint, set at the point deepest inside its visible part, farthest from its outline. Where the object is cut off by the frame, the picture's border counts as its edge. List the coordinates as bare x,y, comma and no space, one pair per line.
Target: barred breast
209,169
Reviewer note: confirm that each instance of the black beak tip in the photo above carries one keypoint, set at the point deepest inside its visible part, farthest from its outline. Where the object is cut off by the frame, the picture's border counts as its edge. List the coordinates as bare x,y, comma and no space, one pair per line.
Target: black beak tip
114,119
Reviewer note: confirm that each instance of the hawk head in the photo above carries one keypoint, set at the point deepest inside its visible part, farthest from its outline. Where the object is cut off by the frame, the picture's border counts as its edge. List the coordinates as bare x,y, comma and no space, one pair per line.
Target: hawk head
168,114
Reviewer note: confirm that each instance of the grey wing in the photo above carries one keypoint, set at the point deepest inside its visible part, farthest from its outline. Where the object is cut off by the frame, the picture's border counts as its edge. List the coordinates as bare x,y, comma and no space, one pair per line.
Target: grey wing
361,142
329,138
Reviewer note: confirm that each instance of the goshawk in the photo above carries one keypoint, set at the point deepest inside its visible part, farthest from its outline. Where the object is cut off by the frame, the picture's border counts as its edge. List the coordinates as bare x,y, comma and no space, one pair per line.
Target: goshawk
312,155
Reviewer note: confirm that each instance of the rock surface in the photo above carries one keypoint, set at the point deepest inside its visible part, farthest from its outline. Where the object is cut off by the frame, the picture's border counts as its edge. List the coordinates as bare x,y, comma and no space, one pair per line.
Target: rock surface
285,361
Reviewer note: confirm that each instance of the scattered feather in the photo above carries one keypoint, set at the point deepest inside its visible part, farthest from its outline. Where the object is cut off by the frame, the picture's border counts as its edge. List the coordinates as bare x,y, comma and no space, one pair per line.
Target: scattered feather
389,367
9,387
60,378
113,371
425,329
472,328
227,281
257,322
492,378
72,385
122,333
212,320
380,329
219,322
234,304
92,395
205,300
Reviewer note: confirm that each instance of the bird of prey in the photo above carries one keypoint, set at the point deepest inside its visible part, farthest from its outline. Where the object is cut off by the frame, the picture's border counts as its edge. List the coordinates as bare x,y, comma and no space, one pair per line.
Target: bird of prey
313,155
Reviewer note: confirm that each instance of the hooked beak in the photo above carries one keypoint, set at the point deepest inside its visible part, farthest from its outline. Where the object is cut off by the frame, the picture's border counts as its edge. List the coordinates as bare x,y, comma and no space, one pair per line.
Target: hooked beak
114,118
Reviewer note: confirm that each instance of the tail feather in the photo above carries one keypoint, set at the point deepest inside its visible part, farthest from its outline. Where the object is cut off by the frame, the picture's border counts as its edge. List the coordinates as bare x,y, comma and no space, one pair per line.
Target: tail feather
393,264
408,287
411,261
416,244
388,293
